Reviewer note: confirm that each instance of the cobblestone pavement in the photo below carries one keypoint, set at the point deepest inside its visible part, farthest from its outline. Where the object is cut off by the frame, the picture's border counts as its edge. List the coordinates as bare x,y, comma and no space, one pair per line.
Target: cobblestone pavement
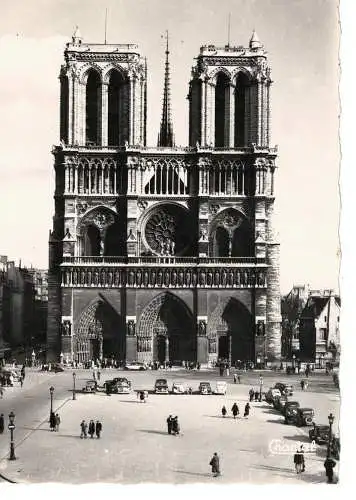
135,446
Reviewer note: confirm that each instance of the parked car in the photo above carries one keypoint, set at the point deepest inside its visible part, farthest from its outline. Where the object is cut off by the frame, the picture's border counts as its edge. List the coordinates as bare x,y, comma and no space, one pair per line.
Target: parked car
288,405
220,388
90,386
279,402
271,394
161,386
112,385
319,433
123,387
123,380
299,416
136,366
205,388
286,390
178,388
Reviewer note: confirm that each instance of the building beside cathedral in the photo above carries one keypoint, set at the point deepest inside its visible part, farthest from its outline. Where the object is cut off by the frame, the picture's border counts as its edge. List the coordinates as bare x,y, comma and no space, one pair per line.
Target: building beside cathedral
164,253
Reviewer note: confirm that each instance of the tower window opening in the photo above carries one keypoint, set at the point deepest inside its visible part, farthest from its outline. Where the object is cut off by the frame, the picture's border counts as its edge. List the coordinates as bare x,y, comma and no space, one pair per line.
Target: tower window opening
240,109
222,115
115,104
93,106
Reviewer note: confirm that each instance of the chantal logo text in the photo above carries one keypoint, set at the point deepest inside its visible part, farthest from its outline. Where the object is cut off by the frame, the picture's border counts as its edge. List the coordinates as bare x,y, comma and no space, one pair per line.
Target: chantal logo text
281,447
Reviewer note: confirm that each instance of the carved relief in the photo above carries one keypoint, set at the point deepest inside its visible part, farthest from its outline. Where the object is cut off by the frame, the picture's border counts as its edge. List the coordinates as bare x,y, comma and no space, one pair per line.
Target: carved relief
131,328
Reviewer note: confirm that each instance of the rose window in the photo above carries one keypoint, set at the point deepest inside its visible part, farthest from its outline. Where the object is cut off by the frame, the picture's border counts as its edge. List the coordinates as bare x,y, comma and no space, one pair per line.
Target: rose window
167,231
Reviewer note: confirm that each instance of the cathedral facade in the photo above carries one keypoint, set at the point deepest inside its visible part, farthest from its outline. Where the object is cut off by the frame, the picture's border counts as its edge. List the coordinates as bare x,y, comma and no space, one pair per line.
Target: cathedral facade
164,253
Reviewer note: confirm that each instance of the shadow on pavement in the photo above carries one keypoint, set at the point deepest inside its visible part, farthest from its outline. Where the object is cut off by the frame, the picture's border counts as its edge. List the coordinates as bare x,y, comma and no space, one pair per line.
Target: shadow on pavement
272,468
279,421
204,474
151,431
138,402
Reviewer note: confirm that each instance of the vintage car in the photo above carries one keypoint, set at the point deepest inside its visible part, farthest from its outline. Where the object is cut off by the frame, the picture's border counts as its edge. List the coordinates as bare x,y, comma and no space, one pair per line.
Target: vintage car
205,388
123,387
161,386
90,386
319,434
110,386
279,402
288,405
299,416
271,394
123,380
286,390
135,366
220,388
178,388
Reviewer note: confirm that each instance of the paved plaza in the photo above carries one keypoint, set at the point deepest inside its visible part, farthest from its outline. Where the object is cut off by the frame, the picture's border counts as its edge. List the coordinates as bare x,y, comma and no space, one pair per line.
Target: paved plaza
135,446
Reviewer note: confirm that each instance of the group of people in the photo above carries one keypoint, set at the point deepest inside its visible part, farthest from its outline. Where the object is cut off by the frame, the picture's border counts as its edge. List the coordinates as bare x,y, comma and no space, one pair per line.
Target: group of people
255,395
235,410
173,426
54,421
91,429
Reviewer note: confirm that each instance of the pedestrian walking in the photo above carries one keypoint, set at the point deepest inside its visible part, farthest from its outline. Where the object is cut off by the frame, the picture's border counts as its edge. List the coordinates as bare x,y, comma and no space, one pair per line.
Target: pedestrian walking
235,410
91,429
94,375
23,372
175,426
235,378
2,423
239,379
251,393
223,411
98,428
257,395
52,421
247,410
169,424
215,465
99,375
329,465
299,461
21,380
83,429
58,421
302,384
1,392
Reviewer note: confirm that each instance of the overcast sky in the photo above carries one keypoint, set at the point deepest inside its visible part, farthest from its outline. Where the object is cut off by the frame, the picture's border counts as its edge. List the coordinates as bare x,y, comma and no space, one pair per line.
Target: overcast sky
301,37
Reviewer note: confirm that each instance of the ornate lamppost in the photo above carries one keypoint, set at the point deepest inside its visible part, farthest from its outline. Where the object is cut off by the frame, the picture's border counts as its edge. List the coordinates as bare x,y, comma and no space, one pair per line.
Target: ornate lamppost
331,421
12,427
261,384
51,391
74,395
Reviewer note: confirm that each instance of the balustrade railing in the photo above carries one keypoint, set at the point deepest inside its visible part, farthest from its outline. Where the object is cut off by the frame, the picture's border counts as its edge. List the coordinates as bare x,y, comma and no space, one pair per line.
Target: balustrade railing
161,260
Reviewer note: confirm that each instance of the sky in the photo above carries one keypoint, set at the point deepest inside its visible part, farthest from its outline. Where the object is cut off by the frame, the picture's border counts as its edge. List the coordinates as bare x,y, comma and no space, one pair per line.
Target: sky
301,38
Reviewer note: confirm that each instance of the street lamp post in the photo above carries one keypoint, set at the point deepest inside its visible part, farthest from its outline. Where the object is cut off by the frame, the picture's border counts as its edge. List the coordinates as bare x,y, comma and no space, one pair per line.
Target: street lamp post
11,427
261,384
331,421
51,391
74,395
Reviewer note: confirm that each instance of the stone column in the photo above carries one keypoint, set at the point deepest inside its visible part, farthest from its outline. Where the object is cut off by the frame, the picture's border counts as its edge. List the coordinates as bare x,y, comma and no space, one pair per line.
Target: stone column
70,107
76,111
104,113
211,123
232,97
259,112
203,112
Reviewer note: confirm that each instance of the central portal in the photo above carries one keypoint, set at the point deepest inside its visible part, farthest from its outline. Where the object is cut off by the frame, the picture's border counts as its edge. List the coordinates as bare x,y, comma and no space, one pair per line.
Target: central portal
168,321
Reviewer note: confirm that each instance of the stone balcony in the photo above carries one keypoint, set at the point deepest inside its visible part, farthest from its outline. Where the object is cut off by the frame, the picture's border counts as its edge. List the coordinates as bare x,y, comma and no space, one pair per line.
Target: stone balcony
156,260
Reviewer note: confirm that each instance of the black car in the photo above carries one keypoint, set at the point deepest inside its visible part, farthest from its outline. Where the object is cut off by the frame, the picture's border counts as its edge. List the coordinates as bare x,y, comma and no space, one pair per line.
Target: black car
286,389
300,417
288,406
121,380
319,434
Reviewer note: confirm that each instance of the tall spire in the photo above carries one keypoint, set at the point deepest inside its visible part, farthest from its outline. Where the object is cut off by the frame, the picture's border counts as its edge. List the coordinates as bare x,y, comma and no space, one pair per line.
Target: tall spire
165,136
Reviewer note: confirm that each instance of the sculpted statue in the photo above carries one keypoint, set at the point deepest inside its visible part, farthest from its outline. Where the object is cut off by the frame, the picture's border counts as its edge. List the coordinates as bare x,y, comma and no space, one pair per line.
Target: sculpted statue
131,328
202,278
194,279
238,278
223,277
75,278
131,278
138,278
145,278
217,278
174,277
209,278
159,278
231,278
117,278
166,278
245,278
153,278
202,328
180,278
109,278
82,278
89,278
96,278
261,279
188,278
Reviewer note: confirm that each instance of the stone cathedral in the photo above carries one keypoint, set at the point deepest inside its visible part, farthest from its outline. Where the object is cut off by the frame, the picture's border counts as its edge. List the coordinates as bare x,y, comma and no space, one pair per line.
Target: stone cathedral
164,253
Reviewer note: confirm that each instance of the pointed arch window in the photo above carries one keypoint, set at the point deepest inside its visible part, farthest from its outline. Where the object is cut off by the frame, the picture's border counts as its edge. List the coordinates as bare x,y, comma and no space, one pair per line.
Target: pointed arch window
222,111
93,108
240,110
115,108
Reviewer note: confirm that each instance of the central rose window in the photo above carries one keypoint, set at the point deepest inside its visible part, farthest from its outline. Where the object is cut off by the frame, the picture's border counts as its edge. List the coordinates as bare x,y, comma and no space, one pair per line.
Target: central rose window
168,230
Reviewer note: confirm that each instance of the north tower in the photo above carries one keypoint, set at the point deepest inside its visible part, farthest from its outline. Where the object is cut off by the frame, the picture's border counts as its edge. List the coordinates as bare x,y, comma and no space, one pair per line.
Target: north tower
164,253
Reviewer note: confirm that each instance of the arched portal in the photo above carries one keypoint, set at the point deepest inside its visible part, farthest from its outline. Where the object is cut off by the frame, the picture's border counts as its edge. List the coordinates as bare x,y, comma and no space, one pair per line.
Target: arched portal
166,331
231,332
100,333
222,110
93,107
92,241
221,242
242,241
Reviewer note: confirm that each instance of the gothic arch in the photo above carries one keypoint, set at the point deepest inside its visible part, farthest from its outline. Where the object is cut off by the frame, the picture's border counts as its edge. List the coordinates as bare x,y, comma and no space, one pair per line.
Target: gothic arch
222,109
242,83
167,318
235,73
230,331
84,72
240,234
213,74
107,70
93,90
95,234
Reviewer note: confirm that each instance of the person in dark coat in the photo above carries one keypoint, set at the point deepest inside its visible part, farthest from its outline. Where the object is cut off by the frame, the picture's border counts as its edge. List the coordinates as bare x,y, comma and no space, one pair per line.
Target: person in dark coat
257,395
235,410
215,465
251,393
83,429
329,465
302,384
169,424
91,429
223,411
247,410
175,426
52,421
58,421
98,428
23,373
2,423
299,461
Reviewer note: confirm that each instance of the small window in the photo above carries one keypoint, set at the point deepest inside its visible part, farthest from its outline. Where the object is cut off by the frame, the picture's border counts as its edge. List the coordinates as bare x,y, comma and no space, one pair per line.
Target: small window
338,318
323,334
325,318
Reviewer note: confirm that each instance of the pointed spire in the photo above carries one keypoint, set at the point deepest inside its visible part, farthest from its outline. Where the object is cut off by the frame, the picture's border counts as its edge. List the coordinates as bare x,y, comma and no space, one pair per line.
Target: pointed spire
77,37
166,136
255,42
